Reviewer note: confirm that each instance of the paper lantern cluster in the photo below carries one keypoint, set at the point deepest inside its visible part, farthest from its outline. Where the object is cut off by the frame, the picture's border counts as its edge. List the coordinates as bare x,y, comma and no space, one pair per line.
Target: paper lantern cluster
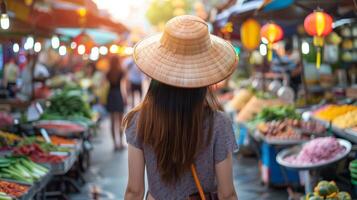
318,24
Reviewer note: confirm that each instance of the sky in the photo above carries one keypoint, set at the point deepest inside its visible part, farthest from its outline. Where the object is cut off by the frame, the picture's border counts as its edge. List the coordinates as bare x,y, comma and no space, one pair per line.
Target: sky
129,12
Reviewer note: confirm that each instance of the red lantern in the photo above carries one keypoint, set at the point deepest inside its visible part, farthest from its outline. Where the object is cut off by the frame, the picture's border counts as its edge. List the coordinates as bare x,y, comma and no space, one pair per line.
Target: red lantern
272,33
319,25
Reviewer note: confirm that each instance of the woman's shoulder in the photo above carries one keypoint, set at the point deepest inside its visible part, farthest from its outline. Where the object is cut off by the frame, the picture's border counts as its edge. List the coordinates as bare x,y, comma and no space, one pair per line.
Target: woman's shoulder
221,117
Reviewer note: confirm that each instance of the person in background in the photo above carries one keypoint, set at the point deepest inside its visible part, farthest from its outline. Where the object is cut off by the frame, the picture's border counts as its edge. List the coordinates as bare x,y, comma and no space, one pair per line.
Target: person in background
11,73
178,132
115,100
135,80
289,63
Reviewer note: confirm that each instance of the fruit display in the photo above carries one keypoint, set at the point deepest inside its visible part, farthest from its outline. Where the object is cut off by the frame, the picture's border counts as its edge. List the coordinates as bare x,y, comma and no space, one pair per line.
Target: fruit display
283,130
47,147
240,99
8,139
254,106
330,112
68,103
12,189
5,119
347,120
326,190
21,169
317,151
37,154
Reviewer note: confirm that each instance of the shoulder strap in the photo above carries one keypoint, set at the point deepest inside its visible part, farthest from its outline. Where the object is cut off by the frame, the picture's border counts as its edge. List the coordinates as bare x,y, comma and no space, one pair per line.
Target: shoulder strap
197,182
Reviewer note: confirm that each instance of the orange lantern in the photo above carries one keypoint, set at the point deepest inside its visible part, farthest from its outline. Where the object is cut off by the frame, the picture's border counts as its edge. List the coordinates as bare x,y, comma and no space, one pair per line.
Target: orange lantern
319,25
272,33
250,34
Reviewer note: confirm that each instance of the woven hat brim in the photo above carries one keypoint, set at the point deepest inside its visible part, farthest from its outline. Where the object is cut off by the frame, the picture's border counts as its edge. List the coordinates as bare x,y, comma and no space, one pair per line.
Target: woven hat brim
187,71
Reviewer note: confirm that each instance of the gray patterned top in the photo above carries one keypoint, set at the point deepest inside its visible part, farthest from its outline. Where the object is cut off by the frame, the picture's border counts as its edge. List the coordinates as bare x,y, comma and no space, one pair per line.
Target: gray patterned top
223,142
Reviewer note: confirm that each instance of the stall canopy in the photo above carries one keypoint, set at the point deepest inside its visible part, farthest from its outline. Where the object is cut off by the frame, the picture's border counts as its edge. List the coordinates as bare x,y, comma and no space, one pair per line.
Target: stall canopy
287,13
44,17
99,36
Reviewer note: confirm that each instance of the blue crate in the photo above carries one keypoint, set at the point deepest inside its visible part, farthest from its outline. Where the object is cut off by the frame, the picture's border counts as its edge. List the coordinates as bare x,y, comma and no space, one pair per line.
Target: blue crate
272,172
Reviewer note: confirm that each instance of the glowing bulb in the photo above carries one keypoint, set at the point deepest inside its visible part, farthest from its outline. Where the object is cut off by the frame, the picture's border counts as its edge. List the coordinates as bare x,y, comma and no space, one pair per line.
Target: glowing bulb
94,54
37,47
128,50
305,48
81,49
55,41
264,40
29,43
263,50
62,50
16,48
5,21
114,48
73,45
103,50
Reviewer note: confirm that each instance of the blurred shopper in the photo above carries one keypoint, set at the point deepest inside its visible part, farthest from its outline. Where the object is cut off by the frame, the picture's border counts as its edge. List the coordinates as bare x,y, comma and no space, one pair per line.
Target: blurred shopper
289,63
178,132
115,102
135,80
11,73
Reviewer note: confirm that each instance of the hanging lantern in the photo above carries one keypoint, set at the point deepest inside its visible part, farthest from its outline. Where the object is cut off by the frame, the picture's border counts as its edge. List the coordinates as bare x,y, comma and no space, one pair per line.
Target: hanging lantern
319,25
250,34
272,33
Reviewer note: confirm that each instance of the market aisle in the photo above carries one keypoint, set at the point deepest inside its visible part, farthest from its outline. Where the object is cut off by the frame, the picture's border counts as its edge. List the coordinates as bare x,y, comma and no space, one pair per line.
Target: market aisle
109,172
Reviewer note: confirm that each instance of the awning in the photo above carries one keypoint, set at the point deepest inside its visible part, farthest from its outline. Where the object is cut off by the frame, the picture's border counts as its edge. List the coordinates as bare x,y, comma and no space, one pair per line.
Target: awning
98,35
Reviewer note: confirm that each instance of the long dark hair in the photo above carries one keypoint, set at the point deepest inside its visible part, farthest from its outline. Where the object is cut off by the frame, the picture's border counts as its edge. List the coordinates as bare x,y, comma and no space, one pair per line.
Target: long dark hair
171,121
115,72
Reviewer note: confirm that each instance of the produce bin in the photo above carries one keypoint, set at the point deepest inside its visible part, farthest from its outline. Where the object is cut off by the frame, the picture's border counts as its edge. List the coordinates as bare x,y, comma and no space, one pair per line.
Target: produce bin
272,173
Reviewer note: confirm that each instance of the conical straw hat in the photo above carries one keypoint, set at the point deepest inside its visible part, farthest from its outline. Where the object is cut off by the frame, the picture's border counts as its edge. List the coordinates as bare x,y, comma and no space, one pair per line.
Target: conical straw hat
185,54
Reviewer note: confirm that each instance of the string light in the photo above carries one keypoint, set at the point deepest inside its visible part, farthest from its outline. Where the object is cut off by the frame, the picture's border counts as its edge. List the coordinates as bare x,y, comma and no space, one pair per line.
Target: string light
114,48
263,50
4,18
16,48
81,49
305,48
55,42
73,45
94,54
103,50
29,43
37,47
62,50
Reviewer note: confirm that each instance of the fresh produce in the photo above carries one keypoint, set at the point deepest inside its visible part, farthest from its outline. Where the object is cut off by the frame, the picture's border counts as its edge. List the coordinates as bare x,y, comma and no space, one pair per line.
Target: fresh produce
68,103
240,99
21,169
58,141
62,127
12,189
317,151
347,120
283,130
4,196
5,119
83,121
327,191
8,139
254,106
277,113
330,112
37,154
46,147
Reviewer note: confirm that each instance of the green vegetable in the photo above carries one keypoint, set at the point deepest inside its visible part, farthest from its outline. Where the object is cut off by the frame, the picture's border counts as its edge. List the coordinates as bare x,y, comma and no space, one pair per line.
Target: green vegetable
67,103
277,113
